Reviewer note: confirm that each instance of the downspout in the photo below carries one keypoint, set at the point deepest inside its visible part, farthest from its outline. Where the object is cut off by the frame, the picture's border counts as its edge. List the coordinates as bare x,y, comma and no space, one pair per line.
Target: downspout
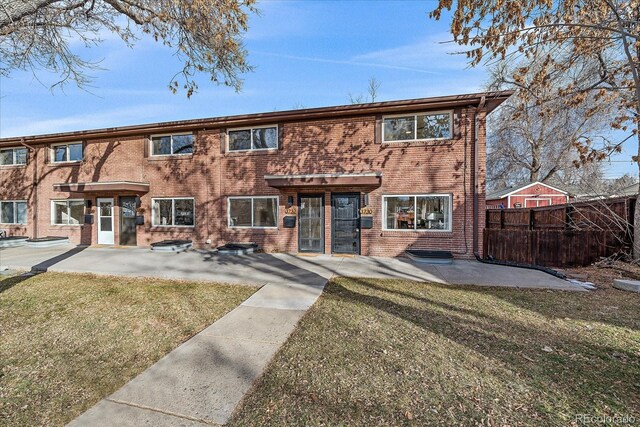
35,186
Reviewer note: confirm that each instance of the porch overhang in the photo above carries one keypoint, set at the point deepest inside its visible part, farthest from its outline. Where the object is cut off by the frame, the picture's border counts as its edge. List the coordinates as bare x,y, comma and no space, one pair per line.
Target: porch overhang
103,187
373,179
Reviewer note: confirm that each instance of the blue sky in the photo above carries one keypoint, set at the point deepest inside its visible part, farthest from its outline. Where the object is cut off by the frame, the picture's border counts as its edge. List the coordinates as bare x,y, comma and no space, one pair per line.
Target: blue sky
306,54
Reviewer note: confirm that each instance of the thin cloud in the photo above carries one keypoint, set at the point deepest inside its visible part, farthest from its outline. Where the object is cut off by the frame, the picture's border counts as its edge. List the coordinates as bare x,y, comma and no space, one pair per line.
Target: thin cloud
345,62
434,52
32,126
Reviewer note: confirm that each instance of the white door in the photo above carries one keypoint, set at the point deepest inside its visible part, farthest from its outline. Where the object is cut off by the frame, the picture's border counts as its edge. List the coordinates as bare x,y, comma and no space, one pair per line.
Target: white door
105,222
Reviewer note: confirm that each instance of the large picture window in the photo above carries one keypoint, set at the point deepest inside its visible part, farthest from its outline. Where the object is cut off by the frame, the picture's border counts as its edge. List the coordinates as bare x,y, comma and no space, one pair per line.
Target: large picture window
166,145
13,156
257,212
67,212
429,212
179,211
13,212
415,127
262,138
72,152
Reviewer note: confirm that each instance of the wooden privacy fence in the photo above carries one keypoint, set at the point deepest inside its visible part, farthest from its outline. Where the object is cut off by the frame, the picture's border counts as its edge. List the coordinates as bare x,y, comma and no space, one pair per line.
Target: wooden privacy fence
560,235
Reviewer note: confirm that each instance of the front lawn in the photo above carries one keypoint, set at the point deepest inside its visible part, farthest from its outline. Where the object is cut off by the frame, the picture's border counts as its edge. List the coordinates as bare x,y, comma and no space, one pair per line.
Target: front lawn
68,340
374,352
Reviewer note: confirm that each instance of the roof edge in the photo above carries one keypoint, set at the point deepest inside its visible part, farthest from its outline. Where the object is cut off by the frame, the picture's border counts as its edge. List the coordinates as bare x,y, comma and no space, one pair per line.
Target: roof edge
490,100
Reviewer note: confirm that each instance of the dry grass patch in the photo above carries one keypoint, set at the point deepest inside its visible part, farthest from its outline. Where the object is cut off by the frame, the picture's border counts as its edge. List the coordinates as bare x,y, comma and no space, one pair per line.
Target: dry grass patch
68,340
374,352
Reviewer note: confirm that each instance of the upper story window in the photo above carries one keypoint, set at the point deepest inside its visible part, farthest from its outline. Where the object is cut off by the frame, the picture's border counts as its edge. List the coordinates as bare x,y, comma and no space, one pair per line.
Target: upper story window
13,212
13,156
417,127
179,211
257,138
427,212
69,152
176,144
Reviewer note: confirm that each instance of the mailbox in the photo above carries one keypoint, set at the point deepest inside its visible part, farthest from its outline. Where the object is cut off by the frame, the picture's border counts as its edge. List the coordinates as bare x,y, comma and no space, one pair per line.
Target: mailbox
140,220
366,222
88,219
289,221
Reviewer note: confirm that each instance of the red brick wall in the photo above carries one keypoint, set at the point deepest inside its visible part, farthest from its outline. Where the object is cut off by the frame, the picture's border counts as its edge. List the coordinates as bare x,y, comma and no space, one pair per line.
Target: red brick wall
210,175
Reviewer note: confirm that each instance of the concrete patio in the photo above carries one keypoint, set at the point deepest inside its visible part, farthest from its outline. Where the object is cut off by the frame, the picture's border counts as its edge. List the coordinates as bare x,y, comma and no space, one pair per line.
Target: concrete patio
268,268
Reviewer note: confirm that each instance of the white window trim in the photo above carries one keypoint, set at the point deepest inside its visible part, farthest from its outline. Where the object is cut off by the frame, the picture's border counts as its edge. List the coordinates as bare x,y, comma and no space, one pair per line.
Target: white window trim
52,150
15,157
449,228
173,212
230,198
15,212
250,129
415,127
537,199
53,211
171,135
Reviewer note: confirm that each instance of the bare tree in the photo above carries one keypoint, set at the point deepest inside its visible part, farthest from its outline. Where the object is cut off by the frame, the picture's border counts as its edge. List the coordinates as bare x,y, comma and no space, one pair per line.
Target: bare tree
372,93
205,35
533,135
606,31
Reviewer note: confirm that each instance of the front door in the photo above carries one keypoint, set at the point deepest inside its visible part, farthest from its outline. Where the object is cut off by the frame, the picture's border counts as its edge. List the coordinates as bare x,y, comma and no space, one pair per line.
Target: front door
105,222
345,223
128,221
311,223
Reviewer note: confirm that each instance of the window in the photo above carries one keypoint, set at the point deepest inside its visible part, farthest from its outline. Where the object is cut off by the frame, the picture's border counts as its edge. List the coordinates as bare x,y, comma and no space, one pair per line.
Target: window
71,152
420,212
178,212
67,212
165,145
257,212
13,156
262,138
415,127
13,212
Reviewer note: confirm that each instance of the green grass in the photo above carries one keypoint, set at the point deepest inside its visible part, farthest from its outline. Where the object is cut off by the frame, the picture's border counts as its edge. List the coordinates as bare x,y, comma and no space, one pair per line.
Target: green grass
374,352
68,340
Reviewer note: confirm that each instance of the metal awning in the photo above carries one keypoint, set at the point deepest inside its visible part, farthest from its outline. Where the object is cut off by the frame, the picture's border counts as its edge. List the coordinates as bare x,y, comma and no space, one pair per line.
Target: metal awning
103,187
325,179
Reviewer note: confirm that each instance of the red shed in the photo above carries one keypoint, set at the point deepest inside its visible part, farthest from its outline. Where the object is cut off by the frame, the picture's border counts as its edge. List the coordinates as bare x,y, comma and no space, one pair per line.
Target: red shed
529,195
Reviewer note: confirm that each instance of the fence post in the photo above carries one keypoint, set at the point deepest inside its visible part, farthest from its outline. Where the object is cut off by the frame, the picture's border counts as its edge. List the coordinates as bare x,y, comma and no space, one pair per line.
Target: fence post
502,219
532,219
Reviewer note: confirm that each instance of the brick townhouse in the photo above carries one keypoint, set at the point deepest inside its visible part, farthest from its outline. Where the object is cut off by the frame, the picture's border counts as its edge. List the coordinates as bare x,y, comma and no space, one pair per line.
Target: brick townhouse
371,179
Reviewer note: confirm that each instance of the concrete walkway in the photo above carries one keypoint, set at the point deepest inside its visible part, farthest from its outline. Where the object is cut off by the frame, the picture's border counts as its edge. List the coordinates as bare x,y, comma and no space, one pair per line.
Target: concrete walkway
269,268
202,381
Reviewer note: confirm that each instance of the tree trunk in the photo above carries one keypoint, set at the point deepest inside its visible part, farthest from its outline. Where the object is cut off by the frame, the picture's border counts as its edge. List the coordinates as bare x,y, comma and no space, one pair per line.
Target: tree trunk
636,214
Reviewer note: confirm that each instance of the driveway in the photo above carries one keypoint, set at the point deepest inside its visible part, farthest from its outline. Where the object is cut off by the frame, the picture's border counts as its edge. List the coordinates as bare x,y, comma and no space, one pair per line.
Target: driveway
268,268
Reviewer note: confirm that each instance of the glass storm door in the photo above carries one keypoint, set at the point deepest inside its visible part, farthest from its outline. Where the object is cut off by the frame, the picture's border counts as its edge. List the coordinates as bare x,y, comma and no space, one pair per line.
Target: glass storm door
128,221
311,223
105,221
345,223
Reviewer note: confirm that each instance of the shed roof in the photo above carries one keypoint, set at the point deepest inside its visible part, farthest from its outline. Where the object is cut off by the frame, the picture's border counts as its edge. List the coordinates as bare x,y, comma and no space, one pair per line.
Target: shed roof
511,190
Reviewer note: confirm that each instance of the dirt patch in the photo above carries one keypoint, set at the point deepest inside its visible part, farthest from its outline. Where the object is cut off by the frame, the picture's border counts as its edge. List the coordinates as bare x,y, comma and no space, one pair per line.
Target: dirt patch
603,273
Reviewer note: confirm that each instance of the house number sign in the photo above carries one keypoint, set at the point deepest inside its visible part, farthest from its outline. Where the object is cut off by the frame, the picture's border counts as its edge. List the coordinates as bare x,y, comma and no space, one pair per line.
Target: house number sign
366,211
290,210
